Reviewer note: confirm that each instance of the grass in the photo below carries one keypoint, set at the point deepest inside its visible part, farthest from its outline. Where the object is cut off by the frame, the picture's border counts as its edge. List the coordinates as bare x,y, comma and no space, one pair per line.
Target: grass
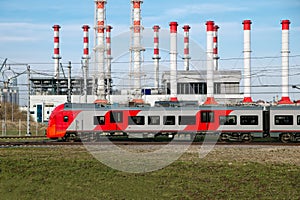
72,173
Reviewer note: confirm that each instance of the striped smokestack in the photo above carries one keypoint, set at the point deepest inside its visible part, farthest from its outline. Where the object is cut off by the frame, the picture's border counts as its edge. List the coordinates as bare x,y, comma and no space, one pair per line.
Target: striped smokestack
85,41
56,55
173,61
285,63
186,56
215,50
156,57
85,58
247,61
100,47
210,100
136,47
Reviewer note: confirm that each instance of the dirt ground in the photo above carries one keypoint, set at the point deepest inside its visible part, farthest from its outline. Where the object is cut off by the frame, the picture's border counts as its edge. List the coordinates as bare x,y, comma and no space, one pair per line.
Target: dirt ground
228,153
260,154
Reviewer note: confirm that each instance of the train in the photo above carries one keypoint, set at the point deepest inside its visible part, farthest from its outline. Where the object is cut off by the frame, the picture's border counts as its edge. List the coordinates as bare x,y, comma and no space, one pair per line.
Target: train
243,123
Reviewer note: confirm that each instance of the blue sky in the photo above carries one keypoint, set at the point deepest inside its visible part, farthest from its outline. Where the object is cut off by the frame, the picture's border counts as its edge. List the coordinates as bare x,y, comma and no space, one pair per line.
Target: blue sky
26,34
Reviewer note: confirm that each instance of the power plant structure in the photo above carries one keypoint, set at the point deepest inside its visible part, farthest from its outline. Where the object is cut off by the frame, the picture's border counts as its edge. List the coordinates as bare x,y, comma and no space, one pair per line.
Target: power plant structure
9,92
156,57
186,50
247,61
180,83
285,99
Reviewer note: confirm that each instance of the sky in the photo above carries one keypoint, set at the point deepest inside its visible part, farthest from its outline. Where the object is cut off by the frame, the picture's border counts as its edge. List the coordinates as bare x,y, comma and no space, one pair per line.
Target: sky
26,34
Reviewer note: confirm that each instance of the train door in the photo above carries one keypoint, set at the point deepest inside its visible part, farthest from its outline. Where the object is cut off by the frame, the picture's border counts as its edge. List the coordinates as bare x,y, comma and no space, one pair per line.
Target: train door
207,118
266,123
116,120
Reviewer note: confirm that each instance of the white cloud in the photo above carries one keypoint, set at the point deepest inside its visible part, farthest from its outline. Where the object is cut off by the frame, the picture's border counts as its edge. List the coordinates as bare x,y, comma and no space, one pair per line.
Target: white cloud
204,9
16,39
24,32
20,32
18,25
33,5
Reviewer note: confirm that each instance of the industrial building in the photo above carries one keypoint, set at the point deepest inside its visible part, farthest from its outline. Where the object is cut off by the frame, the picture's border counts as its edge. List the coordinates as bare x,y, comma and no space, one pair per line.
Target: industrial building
9,92
210,87
10,95
194,82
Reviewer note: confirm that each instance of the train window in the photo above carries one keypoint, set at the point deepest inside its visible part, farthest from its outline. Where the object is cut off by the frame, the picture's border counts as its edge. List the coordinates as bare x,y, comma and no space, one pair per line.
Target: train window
153,120
136,120
207,116
169,120
298,120
116,117
187,120
249,120
284,120
99,120
228,120
66,118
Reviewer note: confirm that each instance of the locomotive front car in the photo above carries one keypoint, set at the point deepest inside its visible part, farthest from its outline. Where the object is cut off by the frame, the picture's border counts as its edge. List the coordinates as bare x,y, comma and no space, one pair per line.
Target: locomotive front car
285,123
59,121
51,129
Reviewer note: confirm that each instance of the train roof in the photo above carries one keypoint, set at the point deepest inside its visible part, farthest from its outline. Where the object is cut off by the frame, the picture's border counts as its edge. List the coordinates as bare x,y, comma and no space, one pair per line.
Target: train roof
285,107
89,106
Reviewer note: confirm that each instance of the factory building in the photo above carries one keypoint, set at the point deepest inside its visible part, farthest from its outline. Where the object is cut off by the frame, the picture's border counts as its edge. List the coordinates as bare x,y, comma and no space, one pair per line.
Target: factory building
52,86
212,86
10,95
10,92
195,82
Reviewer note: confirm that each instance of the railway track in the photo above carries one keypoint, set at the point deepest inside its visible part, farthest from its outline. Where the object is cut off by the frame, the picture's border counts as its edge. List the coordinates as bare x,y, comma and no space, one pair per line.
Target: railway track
55,143
22,137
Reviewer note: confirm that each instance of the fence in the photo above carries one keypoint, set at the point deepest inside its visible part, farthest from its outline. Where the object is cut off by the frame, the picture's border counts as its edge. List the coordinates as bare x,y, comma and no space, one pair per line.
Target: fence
19,128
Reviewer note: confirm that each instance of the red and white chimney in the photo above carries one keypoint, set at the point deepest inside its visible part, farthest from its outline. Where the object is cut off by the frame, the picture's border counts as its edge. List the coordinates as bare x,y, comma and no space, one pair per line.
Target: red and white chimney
210,100
85,58
186,56
85,41
56,55
108,61
136,46
100,47
156,57
285,99
247,61
215,50
173,60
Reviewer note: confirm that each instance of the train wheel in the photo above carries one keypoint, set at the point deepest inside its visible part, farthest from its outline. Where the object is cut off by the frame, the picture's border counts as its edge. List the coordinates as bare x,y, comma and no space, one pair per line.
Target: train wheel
223,138
247,138
67,139
285,138
70,137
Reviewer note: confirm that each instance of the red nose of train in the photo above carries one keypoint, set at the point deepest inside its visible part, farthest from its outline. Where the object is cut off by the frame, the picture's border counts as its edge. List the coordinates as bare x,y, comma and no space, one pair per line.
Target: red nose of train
51,129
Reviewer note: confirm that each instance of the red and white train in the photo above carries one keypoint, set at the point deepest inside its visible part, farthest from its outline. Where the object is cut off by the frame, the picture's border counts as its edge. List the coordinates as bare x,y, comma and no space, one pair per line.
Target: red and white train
239,123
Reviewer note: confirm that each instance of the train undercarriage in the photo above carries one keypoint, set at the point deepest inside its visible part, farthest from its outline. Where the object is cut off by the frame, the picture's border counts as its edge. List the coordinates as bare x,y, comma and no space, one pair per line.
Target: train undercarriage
244,137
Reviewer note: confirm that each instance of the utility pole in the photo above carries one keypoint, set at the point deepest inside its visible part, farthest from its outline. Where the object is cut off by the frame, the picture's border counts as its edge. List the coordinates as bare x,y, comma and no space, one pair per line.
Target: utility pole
69,83
28,102
85,77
